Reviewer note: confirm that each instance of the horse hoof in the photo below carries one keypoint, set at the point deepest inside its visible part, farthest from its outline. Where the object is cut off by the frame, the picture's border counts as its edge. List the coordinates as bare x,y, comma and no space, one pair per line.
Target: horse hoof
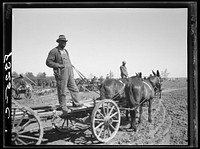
132,128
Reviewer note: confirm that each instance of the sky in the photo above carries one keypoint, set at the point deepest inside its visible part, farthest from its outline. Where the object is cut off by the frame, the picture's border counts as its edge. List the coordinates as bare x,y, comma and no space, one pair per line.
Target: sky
99,39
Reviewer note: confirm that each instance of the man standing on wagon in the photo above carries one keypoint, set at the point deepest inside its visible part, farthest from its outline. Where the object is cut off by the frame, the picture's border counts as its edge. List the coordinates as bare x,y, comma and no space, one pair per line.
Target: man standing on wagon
123,70
58,59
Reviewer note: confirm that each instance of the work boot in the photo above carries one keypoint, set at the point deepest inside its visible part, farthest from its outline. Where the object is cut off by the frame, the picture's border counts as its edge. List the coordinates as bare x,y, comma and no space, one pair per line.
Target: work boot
77,104
75,101
65,110
62,102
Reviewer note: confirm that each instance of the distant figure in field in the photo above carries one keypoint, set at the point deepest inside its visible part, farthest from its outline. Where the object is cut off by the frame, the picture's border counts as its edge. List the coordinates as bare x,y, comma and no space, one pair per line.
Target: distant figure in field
123,70
107,76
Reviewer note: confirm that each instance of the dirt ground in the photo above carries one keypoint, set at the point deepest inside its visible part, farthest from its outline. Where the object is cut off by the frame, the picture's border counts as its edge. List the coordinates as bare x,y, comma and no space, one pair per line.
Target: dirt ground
169,121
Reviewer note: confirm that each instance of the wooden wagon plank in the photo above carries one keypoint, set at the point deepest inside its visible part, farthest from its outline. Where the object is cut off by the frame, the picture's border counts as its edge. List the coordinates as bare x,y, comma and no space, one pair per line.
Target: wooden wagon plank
48,111
85,102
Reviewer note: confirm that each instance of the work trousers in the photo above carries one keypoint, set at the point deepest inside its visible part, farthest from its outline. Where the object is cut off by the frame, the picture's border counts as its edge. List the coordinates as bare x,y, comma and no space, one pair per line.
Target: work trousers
123,76
67,82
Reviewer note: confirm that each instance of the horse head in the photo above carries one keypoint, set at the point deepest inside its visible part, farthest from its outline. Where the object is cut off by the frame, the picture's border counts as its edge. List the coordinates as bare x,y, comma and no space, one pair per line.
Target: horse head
139,74
156,81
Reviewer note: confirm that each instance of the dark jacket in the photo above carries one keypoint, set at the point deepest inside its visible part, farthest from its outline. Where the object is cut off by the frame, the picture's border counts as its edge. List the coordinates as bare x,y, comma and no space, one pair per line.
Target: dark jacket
124,72
54,59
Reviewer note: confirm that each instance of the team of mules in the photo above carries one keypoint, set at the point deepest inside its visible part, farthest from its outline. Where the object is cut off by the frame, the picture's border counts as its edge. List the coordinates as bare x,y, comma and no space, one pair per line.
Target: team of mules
135,91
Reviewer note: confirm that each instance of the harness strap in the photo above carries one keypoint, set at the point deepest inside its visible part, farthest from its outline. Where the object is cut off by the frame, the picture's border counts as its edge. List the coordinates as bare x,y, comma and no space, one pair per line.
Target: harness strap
83,77
134,108
147,84
122,82
114,96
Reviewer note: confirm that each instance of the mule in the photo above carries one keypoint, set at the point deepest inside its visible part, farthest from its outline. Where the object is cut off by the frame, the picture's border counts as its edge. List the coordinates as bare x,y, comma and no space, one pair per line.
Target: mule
114,89
156,81
138,92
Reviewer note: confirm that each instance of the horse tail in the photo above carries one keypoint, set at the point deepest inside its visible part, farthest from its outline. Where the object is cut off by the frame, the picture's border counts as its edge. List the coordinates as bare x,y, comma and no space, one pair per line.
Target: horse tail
131,95
102,91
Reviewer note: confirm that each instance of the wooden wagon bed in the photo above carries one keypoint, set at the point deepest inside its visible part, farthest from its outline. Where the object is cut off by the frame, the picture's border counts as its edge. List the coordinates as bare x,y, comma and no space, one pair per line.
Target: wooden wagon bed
102,117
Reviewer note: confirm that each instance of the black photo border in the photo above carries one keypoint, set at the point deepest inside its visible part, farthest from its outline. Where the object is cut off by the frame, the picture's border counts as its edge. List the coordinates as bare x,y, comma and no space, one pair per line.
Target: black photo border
191,46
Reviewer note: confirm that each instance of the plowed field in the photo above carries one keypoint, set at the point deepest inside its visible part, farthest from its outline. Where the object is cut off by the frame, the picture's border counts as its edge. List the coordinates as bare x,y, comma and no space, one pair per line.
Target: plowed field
169,121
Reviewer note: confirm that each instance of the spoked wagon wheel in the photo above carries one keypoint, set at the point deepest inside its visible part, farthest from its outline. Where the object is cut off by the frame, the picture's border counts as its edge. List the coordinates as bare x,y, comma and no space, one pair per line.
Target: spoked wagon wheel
105,120
15,93
26,126
28,93
63,124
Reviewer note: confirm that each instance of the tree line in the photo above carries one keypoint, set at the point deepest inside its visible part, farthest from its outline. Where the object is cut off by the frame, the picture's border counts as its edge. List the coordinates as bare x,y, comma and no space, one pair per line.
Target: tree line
39,80
49,81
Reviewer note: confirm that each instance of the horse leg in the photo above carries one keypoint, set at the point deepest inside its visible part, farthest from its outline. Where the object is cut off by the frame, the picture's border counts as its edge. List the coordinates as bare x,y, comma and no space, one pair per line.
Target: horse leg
102,95
140,114
160,94
103,92
155,91
133,123
149,110
127,112
127,115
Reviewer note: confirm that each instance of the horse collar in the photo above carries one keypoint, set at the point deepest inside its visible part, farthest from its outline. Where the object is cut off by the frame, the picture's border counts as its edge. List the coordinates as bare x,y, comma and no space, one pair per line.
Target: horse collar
147,84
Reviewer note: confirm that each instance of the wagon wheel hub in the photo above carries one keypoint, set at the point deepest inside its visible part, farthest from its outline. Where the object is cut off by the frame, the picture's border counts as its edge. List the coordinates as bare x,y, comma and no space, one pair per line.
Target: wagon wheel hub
14,134
107,121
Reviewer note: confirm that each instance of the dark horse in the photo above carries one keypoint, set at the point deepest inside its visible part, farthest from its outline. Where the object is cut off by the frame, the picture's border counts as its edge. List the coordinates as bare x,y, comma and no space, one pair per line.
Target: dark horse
114,88
139,92
156,82
133,90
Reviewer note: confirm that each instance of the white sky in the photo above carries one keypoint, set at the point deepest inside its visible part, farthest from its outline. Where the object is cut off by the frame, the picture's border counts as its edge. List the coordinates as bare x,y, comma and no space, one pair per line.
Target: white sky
99,39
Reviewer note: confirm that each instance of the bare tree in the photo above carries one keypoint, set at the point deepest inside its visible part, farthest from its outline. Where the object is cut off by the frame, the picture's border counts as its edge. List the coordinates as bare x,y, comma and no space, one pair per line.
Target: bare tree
41,75
111,75
91,76
164,74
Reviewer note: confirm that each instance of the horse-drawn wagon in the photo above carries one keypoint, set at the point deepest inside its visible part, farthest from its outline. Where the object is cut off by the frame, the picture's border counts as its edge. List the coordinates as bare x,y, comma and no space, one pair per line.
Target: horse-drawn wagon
18,88
102,117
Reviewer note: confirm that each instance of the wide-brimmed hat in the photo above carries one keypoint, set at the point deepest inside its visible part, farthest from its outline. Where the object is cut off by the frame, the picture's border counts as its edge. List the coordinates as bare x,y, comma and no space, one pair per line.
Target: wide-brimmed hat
61,38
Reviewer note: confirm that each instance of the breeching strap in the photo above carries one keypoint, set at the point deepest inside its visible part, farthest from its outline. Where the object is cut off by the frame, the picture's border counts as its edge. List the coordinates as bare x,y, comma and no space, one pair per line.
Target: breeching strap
131,109
114,96
147,84
83,78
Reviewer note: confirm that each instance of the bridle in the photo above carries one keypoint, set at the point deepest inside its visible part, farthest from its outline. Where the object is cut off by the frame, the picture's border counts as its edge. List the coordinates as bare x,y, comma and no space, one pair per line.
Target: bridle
153,84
